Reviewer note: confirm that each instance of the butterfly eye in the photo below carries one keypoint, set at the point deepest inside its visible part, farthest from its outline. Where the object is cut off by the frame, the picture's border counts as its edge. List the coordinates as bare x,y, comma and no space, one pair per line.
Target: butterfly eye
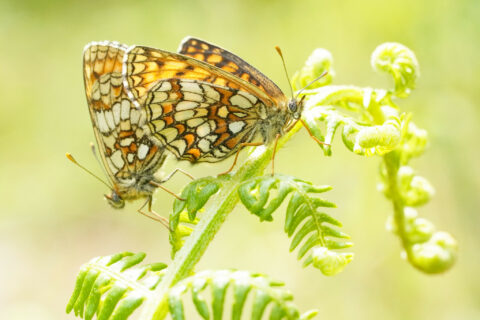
115,201
292,106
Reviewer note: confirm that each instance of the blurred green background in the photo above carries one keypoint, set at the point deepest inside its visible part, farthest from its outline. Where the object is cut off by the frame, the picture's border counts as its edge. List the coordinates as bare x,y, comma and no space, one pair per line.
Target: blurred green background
53,217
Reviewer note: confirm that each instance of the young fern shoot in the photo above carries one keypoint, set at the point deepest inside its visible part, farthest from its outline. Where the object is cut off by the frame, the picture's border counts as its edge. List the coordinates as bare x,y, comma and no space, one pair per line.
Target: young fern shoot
379,127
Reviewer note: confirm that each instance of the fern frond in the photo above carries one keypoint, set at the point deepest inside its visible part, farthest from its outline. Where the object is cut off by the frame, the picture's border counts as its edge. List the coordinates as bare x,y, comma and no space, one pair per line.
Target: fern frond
376,129
112,287
264,291
304,218
373,124
184,215
319,62
401,63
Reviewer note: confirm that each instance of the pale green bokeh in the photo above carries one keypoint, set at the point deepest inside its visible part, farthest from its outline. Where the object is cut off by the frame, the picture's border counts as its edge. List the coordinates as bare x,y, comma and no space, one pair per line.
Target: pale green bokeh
53,217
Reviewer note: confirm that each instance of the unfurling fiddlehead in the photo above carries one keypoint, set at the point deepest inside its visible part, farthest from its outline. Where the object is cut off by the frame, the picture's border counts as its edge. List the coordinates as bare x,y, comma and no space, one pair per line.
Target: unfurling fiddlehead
374,124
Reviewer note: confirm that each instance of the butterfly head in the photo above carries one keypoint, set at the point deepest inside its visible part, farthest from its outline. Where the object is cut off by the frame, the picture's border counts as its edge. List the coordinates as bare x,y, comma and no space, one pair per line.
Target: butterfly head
115,200
295,107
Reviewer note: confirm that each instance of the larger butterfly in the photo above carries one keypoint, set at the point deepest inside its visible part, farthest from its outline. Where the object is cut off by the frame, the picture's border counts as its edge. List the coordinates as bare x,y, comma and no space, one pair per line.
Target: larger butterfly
128,155
205,103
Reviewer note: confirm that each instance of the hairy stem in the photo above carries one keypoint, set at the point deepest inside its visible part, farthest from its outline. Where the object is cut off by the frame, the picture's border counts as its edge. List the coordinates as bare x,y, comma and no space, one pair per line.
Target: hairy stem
392,165
214,215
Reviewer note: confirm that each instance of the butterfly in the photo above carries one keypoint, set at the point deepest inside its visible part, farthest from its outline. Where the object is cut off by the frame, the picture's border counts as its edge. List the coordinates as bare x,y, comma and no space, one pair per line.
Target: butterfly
129,157
205,103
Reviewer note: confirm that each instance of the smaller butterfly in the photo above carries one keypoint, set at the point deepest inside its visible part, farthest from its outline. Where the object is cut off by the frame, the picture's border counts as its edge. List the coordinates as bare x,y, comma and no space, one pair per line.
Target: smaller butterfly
205,103
129,157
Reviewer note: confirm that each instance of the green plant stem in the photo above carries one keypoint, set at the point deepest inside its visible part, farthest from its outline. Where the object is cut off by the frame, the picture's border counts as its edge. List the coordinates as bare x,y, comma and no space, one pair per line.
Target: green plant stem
392,164
214,215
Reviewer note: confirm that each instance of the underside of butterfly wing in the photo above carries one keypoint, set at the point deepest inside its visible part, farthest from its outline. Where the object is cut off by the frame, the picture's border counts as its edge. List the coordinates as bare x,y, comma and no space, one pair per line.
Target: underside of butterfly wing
198,121
129,157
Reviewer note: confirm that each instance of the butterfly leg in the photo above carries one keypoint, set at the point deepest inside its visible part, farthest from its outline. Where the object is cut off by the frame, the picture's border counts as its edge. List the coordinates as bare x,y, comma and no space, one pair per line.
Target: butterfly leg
292,125
158,185
274,152
152,214
311,134
173,173
241,146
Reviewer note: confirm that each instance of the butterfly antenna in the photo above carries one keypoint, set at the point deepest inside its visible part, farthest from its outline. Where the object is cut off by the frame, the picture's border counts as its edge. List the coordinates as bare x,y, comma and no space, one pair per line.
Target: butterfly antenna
284,68
95,154
71,158
312,82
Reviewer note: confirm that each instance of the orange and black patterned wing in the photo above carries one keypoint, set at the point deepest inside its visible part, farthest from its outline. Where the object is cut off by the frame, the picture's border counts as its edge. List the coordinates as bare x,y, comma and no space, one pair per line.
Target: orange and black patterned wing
201,121
144,67
126,151
229,62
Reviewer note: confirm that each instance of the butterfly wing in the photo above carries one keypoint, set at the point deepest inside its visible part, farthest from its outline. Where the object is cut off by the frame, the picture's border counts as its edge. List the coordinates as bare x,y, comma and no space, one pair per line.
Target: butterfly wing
166,84
144,67
229,62
125,150
200,121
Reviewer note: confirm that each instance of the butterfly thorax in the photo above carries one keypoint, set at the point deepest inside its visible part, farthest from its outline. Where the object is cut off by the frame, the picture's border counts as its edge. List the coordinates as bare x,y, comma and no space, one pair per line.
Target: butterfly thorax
271,122
277,120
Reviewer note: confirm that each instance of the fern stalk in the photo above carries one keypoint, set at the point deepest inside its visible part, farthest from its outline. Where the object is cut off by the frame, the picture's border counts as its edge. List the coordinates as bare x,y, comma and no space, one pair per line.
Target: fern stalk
212,218
392,165
427,250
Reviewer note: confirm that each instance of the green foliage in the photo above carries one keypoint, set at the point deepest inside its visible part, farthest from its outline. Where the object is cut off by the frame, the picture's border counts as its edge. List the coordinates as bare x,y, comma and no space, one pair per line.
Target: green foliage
427,249
401,63
263,195
184,215
263,290
371,123
319,61
113,287
357,135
